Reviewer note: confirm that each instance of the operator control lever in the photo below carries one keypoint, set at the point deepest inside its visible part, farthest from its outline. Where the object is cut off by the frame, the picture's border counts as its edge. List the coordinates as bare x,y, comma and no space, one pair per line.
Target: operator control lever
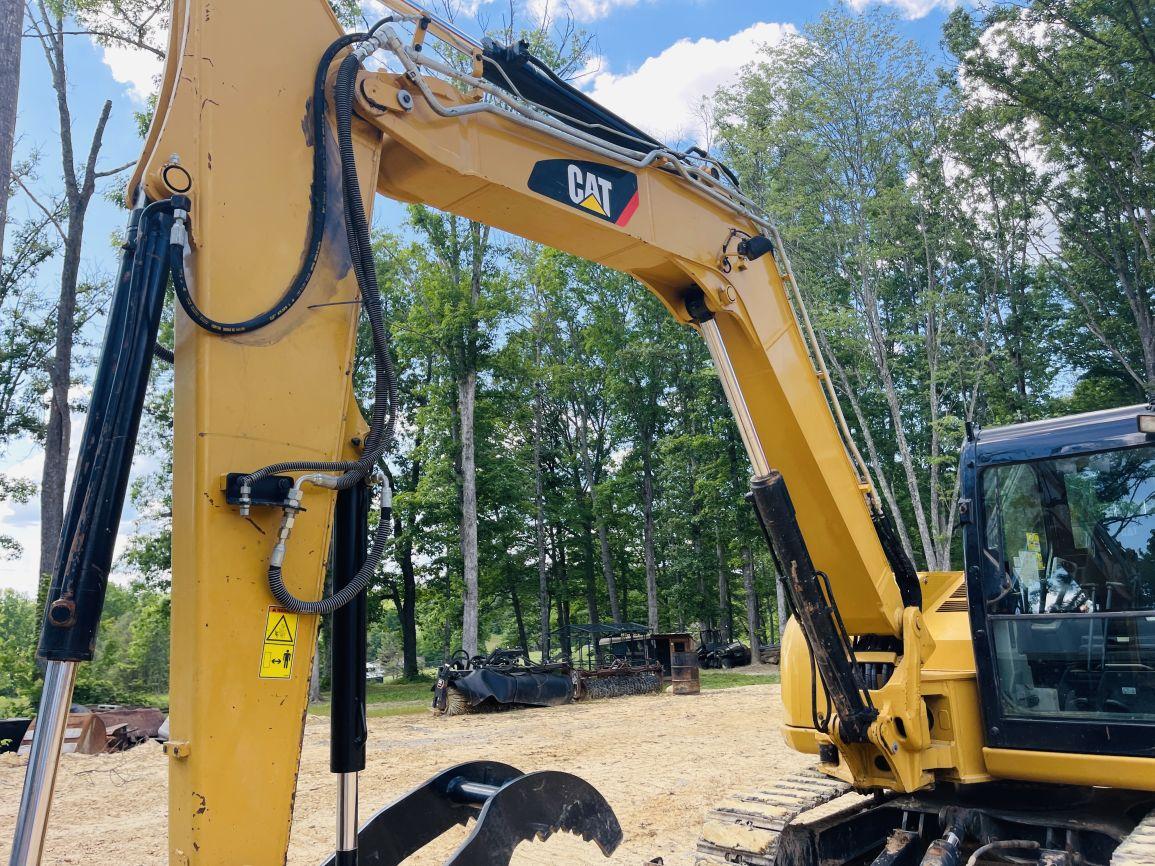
510,806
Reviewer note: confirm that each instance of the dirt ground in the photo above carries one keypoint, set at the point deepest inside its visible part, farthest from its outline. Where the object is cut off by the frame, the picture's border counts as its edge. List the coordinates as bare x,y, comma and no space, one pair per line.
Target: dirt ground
660,760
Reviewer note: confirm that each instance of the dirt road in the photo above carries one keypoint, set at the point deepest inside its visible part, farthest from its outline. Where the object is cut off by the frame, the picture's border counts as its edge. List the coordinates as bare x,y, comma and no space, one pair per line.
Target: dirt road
659,760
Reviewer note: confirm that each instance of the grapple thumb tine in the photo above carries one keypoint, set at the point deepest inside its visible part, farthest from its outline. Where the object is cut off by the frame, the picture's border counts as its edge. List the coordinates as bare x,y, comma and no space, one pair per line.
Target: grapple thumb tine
535,806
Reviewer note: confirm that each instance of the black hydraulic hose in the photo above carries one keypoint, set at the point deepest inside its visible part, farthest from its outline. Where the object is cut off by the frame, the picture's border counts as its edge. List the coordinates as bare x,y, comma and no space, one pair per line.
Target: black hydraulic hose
318,202
163,353
346,594
383,423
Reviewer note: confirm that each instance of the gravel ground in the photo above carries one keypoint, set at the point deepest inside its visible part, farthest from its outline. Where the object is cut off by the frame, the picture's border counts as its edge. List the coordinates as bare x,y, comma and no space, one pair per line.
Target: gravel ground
660,760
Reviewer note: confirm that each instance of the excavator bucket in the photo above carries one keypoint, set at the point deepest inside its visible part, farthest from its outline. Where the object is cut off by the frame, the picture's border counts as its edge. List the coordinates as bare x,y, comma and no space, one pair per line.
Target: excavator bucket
511,807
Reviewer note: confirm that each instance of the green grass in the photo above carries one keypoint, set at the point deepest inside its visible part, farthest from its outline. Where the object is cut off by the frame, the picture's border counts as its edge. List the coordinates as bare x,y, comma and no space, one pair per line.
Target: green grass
715,679
408,698
397,698
380,711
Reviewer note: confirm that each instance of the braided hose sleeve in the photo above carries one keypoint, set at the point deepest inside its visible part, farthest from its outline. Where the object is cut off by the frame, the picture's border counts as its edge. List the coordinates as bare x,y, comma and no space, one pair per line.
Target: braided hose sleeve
361,581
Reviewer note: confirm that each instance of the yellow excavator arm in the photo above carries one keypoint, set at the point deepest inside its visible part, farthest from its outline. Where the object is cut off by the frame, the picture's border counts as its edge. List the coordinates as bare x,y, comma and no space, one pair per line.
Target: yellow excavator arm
233,150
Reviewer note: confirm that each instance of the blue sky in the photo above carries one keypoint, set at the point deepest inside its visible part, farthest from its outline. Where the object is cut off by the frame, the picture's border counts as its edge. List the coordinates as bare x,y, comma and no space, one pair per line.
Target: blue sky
655,58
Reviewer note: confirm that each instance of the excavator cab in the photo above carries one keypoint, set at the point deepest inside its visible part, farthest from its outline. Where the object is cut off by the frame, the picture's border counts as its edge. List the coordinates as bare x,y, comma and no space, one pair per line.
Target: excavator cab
1060,547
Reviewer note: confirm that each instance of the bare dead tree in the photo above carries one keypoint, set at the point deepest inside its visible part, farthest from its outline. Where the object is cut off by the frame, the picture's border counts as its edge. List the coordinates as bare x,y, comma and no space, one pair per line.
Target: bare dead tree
79,179
11,21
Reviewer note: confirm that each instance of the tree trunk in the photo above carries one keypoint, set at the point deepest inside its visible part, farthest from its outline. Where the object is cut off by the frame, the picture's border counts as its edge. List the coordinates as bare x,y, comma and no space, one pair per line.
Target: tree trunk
591,585
517,615
562,594
725,612
539,526
591,481
466,395
751,604
871,449
783,606
11,25
608,570
315,675
78,191
648,536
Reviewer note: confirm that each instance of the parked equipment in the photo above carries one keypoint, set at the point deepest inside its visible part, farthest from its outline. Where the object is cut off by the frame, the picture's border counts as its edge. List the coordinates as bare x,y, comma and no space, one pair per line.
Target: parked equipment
12,733
715,652
1000,713
502,680
612,659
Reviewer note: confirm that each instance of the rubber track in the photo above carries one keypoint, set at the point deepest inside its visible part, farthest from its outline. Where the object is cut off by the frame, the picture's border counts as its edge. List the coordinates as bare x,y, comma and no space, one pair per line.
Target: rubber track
1138,849
745,828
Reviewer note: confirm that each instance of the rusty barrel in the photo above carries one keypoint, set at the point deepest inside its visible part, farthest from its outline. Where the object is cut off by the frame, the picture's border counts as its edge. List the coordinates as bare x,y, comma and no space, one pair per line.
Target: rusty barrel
684,674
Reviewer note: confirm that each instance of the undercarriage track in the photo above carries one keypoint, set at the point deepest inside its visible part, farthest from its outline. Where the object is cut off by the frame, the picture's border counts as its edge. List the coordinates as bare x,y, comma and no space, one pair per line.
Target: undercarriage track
1053,828
1138,849
746,828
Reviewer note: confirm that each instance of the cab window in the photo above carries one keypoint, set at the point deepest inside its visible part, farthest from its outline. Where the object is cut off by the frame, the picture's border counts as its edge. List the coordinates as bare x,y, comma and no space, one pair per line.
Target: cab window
1069,579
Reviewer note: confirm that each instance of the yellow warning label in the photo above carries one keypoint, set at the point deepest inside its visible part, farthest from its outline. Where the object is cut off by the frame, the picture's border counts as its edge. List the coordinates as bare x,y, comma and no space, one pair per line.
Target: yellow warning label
280,644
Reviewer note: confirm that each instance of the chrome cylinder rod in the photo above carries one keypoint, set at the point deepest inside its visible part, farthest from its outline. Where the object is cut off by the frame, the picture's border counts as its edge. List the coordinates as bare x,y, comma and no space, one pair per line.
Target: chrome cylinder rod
40,777
346,819
725,369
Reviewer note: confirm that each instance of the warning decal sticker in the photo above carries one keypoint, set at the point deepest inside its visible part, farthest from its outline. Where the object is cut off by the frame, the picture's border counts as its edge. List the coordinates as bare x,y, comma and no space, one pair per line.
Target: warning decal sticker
279,645
604,191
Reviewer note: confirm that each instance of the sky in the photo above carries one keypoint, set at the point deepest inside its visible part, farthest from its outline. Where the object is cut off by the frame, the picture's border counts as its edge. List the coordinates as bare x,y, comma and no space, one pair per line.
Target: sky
653,61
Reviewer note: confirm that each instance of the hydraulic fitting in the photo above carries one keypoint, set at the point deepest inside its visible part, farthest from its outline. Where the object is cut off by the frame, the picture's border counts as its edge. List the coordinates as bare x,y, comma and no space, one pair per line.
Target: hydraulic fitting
246,499
366,48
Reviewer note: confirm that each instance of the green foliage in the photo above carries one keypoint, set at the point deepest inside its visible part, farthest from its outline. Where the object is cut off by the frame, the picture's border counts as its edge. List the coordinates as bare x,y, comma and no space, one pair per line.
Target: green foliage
131,662
1076,76
19,631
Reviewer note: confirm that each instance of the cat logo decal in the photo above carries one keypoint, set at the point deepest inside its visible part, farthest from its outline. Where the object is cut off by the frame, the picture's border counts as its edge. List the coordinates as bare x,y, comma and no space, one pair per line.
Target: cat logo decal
603,191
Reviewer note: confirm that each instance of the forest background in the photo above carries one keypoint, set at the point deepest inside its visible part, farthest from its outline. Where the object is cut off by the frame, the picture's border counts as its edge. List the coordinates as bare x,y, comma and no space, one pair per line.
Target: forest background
970,220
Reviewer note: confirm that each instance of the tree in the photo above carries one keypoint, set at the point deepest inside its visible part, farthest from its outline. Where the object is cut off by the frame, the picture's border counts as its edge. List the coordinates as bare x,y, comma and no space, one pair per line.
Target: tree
639,384
1077,76
19,677
462,252
26,337
49,27
11,27
841,134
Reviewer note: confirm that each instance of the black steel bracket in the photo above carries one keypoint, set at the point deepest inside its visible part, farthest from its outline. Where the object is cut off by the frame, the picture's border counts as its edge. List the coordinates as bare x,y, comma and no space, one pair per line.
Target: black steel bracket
511,807
270,490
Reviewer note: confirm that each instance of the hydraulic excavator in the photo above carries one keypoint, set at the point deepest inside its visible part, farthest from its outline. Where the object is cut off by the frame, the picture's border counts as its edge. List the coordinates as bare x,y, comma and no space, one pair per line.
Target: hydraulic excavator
1001,714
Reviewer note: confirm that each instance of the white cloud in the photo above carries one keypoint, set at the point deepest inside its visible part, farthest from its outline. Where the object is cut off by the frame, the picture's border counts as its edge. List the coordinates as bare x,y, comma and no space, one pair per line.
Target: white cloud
581,10
910,9
133,67
662,95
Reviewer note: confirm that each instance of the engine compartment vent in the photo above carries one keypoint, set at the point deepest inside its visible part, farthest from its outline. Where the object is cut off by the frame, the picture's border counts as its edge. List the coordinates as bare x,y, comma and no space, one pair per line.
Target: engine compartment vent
956,602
